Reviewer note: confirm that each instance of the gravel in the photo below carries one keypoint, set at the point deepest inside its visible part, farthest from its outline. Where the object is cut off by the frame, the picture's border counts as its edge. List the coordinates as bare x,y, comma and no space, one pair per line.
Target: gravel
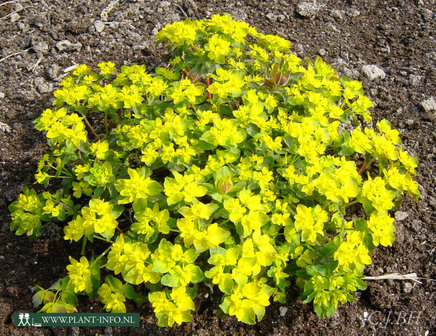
308,9
401,215
429,105
373,72
99,26
66,45
40,46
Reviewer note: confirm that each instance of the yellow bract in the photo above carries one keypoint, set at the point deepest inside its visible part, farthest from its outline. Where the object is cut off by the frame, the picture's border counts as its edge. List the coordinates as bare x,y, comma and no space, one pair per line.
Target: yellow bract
80,275
309,221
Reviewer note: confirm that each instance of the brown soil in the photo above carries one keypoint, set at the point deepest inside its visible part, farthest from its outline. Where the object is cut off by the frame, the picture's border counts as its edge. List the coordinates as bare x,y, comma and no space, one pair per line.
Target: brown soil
395,35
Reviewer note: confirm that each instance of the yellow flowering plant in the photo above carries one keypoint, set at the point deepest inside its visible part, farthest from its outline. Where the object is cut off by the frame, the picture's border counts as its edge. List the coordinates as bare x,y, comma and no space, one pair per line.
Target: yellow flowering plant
237,165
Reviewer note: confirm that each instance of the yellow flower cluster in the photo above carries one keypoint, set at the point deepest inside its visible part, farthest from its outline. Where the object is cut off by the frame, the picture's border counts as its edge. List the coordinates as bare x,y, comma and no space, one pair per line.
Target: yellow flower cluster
175,309
352,254
99,217
62,127
130,259
310,222
80,275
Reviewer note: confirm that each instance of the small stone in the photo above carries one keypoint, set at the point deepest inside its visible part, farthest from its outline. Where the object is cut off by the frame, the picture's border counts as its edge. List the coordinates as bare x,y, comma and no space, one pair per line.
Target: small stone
281,18
307,9
23,27
2,95
15,17
18,6
5,311
350,73
407,287
429,105
41,47
53,71
75,331
373,72
4,127
427,13
431,56
352,12
334,324
42,86
340,62
401,215
299,48
108,331
99,26
165,4
415,80
333,27
26,42
13,290
409,122
283,311
272,17
322,52
429,116
337,14
416,224
66,45
114,25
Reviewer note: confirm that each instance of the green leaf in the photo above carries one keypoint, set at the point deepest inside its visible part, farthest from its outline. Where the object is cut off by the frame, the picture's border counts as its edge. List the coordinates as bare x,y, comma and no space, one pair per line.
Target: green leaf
59,284
170,280
129,292
226,285
291,235
360,284
42,296
117,210
154,188
69,298
216,235
205,145
159,266
252,130
259,311
292,144
197,274
139,205
115,284
209,138
168,74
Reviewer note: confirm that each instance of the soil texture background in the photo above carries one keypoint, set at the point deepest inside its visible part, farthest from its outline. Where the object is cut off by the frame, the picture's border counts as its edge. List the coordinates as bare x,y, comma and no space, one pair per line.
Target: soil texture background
388,45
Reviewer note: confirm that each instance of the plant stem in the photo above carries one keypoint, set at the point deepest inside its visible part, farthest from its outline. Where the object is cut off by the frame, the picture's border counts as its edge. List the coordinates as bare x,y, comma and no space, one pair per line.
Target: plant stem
362,169
102,255
82,251
104,239
209,95
91,128
60,176
351,203
365,165
105,125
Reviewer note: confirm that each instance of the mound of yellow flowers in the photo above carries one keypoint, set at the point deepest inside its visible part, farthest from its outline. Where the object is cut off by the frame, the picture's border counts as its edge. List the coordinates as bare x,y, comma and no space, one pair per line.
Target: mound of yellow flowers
236,165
